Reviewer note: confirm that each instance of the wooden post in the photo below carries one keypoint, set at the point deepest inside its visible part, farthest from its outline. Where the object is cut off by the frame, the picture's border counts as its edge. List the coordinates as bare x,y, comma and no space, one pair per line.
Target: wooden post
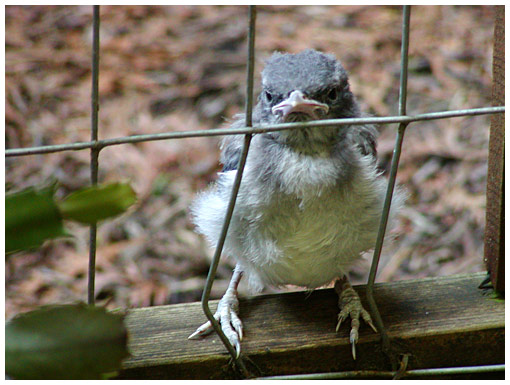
494,251
441,322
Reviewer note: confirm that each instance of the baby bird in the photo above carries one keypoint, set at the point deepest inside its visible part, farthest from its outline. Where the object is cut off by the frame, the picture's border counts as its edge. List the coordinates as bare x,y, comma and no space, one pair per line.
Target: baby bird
310,199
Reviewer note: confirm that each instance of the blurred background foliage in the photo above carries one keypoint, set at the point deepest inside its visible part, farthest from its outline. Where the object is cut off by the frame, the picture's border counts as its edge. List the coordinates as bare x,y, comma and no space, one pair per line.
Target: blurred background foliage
33,215
59,342
176,68
62,341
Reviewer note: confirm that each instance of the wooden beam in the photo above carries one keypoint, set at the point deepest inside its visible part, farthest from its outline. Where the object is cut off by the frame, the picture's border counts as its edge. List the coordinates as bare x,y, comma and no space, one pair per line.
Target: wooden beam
441,322
494,251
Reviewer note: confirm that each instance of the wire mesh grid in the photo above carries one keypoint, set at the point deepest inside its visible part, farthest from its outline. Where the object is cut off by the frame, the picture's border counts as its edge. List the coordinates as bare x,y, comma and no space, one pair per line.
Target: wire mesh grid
402,119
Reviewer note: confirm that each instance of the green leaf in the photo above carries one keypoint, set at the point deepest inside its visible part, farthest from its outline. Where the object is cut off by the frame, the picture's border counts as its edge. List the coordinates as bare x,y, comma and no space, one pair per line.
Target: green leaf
95,203
31,217
65,342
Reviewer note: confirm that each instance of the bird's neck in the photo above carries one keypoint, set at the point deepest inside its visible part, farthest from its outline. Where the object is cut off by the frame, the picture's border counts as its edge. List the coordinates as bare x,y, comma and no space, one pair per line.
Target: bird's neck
313,141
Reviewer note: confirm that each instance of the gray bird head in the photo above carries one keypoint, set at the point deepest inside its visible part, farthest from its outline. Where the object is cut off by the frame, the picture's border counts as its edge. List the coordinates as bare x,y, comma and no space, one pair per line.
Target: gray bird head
301,87
306,86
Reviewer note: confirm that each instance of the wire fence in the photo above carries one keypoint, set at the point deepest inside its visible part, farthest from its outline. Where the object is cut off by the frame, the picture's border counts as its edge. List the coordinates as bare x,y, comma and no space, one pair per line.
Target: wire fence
403,120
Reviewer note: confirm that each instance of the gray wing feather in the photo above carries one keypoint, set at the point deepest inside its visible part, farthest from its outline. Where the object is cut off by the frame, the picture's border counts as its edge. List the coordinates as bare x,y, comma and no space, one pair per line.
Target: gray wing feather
365,137
232,146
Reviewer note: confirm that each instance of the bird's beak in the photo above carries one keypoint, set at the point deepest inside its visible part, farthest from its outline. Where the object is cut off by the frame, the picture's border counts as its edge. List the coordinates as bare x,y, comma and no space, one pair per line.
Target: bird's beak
297,103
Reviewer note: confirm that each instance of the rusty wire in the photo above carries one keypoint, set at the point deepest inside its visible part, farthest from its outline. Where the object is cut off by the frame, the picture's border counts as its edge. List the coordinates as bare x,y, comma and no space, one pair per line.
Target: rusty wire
429,372
94,151
391,184
100,144
235,189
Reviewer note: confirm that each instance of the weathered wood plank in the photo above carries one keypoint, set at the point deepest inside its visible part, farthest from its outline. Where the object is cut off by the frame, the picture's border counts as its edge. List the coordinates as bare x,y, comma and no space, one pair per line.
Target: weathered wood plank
442,322
494,251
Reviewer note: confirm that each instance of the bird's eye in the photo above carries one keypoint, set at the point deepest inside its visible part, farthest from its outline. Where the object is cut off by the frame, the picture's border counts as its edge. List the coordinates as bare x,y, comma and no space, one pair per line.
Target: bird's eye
332,94
268,96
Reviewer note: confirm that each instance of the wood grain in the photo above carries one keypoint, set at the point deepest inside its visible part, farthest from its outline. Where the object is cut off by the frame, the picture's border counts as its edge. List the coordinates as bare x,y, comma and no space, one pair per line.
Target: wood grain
440,322
494,245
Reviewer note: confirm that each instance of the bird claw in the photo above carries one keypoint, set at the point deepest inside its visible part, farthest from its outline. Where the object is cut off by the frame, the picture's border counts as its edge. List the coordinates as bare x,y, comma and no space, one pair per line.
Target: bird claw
342,316
353,338
226,315
201,331
351,306
371,324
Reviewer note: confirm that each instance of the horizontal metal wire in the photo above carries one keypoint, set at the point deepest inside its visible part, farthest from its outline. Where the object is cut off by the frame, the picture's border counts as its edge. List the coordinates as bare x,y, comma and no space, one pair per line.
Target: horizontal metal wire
389,374
251,130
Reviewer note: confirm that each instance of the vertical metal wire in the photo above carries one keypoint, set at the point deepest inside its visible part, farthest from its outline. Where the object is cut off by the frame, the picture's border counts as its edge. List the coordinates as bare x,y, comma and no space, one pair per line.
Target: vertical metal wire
391,182
94,152
235,189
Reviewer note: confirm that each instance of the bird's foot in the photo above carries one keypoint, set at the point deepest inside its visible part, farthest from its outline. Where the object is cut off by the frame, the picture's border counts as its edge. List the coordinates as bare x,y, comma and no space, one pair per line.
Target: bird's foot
226,315
350,306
